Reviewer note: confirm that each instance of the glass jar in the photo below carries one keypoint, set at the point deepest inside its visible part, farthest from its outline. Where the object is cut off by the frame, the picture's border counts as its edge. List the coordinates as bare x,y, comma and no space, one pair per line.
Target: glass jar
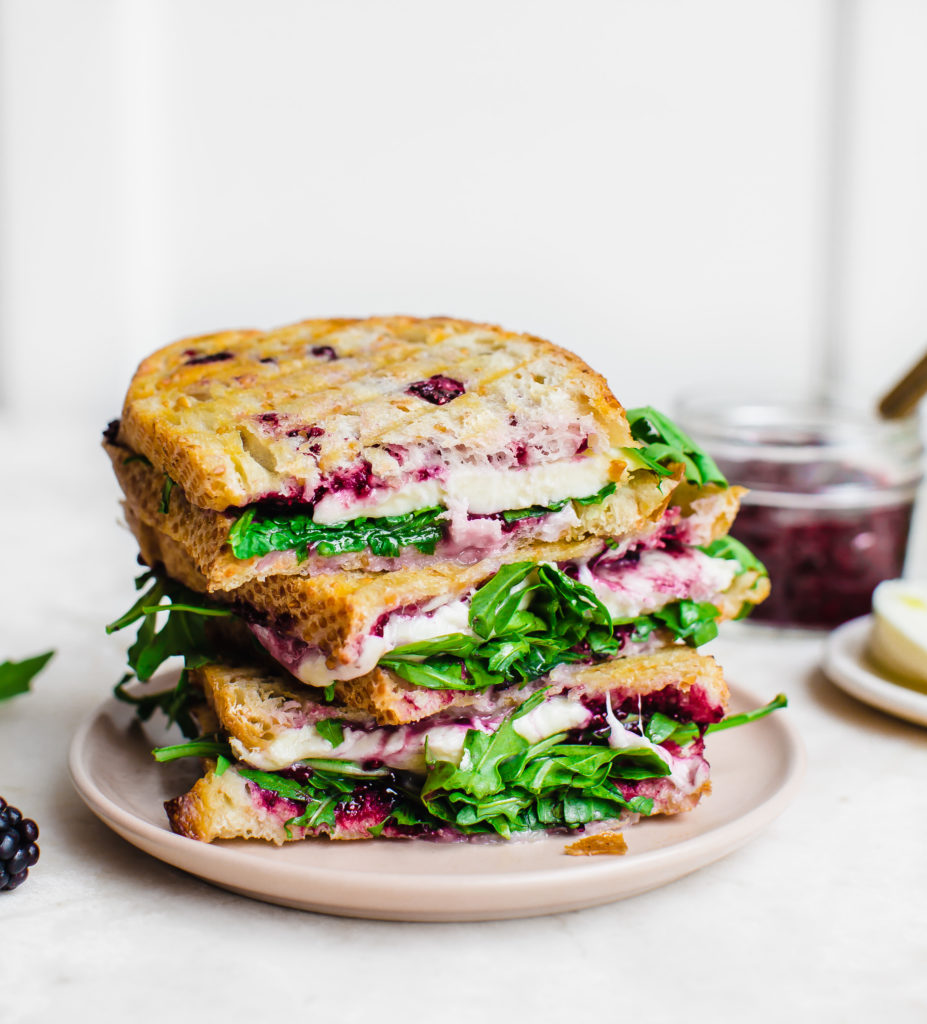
831,494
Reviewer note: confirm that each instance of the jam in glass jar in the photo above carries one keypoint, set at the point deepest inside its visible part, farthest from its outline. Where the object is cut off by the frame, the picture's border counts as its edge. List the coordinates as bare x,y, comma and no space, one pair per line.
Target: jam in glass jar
831,494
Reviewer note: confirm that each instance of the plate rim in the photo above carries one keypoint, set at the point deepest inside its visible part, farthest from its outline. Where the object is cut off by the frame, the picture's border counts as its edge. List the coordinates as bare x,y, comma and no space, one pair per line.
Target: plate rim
212,862
844,667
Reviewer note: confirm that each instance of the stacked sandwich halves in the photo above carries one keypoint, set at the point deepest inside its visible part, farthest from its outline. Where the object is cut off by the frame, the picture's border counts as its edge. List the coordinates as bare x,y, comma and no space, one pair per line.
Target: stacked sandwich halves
428,578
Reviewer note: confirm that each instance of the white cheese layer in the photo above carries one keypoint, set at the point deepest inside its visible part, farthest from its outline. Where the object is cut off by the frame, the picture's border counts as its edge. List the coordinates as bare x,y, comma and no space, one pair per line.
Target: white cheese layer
478,490
655,580
404,746
398,631
658,578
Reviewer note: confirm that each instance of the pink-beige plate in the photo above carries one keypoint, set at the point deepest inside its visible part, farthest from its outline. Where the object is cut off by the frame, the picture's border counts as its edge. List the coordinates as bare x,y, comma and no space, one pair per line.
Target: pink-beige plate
756,770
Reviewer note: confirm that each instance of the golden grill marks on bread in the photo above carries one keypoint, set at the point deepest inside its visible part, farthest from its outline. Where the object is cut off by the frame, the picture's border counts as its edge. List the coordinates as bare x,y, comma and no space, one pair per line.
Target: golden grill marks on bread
200,408
203,533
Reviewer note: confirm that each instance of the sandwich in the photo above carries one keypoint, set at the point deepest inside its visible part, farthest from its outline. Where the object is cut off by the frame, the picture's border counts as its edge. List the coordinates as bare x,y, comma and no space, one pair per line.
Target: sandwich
347,445
428,578
593,748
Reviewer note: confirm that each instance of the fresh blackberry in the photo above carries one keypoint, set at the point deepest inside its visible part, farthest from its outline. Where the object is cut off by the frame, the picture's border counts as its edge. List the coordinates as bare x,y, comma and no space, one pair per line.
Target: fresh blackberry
18,851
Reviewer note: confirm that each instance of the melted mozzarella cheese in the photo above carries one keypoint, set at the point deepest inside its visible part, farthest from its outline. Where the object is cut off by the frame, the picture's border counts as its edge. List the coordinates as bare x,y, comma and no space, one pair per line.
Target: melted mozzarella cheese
403,746
398,631
476,490
559,714
658,578
655,580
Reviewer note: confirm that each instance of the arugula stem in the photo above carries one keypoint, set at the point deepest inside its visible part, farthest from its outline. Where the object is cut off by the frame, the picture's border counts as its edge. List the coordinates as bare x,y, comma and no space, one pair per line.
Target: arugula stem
195,748
779,701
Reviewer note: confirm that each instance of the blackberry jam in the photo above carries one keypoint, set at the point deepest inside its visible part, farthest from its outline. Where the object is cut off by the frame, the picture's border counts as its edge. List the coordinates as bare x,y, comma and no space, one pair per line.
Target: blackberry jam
831,494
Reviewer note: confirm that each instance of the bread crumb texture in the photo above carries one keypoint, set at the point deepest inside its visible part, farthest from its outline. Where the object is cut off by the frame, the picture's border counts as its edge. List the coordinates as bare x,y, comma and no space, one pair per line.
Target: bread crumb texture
611,843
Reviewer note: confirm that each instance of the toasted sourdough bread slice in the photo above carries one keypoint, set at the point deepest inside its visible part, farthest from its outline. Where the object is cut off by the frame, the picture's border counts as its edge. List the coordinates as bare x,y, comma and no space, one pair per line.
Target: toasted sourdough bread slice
204,534
238,416
229,805
271,718
322,628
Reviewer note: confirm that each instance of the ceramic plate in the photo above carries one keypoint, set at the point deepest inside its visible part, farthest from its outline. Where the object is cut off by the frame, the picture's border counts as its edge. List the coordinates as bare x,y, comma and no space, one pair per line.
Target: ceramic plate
756,770
846,664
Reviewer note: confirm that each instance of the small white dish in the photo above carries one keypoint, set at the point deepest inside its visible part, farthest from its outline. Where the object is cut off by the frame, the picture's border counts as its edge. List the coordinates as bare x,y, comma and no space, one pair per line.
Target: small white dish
756,770
847,666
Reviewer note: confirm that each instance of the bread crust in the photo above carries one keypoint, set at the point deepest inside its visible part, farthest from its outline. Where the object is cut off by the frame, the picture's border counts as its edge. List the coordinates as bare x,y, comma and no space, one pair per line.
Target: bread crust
254,703
203,534
194,408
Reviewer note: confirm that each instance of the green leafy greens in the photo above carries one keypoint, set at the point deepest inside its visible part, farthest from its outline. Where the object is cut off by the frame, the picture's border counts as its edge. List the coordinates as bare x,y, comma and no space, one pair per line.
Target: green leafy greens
183,634
728,547
666,445
732,721
255,535
15,676
529,618
384,536
502,782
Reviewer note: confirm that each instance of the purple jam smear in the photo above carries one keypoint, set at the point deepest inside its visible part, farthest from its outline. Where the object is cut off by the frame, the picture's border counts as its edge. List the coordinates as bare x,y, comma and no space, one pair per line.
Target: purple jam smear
360,479
823,564
692,705
405,611
195,359
439,390
325,352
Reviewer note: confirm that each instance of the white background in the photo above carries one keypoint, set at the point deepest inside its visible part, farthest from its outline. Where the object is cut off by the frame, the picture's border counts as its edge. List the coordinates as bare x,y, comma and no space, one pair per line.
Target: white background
725,191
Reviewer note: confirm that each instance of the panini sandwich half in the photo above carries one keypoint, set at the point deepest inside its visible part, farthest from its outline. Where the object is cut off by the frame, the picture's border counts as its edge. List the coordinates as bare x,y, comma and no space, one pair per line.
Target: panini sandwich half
388,581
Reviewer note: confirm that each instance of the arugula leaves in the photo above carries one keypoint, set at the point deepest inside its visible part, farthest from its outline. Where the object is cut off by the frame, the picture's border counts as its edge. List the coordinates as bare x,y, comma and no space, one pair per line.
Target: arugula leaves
501,784
328,784
732,721
165,503
194,748
529,618
176,703
182,634
384,536
665,445
504,783
728,547
15,676
254,535
533,511
331,729
695,622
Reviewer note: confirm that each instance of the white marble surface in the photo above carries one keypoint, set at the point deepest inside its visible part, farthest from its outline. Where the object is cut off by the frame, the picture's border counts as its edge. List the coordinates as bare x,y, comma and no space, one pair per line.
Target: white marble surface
820,918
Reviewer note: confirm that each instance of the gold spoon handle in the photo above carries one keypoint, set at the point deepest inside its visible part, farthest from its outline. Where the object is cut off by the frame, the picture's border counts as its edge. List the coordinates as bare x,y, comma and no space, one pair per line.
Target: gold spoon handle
905,395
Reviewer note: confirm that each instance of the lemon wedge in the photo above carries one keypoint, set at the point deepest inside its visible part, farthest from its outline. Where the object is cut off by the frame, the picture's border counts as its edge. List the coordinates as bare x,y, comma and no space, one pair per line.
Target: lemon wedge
898,641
